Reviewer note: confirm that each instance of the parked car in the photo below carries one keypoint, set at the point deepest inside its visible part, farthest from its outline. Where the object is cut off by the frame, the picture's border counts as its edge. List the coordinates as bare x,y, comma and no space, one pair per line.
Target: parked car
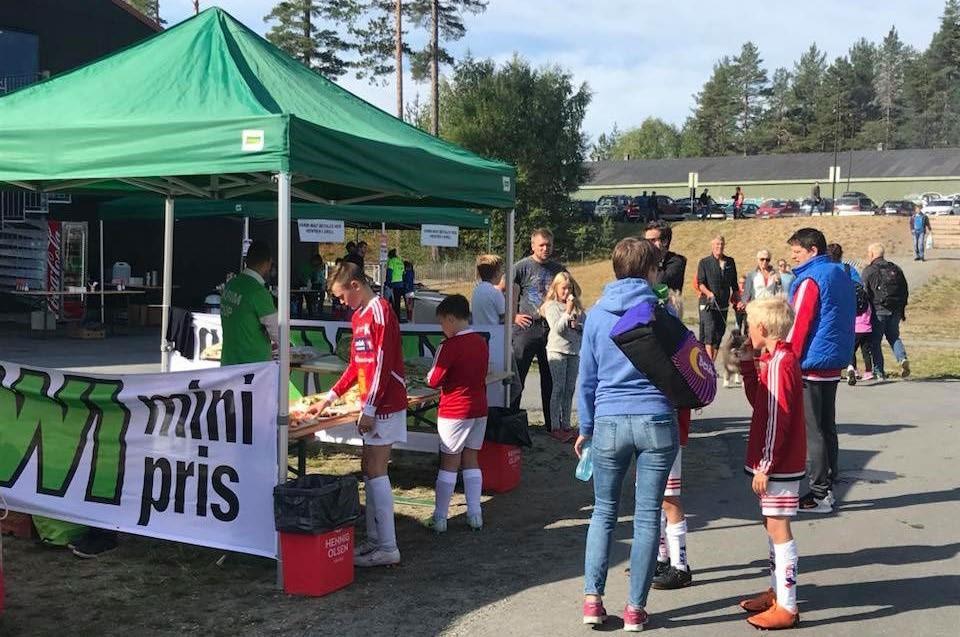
807,206
855,205
747,210
717,211
942,207
611,206
638,210
896,207
778,208
667,209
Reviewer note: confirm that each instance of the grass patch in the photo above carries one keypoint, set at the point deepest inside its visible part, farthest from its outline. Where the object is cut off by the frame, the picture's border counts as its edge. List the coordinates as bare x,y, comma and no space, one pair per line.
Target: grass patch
934,310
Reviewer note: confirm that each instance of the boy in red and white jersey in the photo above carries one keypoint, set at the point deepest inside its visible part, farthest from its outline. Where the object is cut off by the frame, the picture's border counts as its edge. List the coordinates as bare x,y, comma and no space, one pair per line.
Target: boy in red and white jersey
776,453
460,372
376,365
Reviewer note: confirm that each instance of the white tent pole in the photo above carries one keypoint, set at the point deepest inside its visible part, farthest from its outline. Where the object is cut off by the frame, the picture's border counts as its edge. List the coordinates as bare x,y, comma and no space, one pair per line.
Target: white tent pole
508,316
383,264
283,315
165,350
246,238
103,283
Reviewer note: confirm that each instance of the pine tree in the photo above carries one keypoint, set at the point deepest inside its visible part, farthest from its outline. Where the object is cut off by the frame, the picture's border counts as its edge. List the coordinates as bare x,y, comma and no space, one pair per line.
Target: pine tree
381,43
444,21
779,129
863,94
808,75
892,58
603,148
834,117
718,105
751,82
310,31
943,58
149,8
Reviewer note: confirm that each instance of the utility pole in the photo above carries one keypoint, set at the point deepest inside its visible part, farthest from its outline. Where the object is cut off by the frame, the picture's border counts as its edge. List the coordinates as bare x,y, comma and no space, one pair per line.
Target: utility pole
836,152
435,68
399,57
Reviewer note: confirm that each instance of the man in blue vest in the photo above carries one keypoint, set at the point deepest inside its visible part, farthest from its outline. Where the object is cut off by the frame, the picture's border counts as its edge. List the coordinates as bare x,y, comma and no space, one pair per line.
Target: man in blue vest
824,302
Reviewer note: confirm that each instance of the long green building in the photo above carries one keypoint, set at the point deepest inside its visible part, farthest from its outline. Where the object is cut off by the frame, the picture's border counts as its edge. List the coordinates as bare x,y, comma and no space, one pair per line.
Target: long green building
880,174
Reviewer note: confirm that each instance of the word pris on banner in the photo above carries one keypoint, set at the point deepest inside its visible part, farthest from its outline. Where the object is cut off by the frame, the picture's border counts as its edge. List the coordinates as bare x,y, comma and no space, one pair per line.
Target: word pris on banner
161,455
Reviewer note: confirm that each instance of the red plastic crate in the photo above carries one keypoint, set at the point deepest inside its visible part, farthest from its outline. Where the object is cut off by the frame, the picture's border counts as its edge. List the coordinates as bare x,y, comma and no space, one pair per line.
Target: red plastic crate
18,525
317,565
501,466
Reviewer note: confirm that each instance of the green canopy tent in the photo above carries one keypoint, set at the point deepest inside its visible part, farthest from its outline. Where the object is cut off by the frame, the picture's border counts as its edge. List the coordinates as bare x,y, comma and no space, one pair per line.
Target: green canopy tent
210,110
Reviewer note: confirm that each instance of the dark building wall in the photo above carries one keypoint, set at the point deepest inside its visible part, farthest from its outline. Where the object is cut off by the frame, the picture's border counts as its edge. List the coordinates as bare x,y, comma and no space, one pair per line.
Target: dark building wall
74,32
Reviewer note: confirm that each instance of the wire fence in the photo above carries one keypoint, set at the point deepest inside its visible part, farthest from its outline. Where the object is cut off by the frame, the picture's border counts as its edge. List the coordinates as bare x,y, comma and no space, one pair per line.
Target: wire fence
444,273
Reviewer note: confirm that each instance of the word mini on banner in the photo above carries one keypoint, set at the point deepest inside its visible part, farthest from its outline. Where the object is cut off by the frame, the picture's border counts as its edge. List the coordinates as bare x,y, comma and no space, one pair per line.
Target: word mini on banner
189,457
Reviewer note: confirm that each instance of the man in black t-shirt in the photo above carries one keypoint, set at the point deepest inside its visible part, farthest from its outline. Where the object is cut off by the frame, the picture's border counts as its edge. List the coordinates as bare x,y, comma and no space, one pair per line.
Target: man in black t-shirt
718,286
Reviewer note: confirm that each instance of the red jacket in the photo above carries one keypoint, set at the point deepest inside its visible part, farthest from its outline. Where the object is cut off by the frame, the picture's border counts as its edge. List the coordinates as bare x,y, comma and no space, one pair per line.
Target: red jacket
376,360
460,371
778,433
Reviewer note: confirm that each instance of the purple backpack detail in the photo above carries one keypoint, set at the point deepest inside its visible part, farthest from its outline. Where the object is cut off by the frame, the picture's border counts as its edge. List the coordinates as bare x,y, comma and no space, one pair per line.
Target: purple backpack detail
661,347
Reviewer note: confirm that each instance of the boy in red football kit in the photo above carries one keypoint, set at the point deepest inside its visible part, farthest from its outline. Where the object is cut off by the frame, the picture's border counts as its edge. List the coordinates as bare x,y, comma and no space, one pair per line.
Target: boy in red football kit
776,453
376,365
460,371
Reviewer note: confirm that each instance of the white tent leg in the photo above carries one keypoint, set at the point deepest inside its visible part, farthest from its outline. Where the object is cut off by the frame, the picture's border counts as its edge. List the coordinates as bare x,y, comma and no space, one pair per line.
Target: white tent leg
283,315
508,316
165,346
246,240
103,283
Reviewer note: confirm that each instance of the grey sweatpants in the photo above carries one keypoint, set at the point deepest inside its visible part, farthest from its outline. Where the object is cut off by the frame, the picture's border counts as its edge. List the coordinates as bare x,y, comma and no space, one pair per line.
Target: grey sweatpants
563,370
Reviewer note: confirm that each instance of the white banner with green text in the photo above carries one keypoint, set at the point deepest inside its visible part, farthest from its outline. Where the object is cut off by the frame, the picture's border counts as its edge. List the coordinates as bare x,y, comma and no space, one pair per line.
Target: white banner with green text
189,457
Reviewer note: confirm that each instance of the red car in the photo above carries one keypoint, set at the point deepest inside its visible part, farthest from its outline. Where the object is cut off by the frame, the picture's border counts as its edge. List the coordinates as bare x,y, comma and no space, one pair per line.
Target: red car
778,208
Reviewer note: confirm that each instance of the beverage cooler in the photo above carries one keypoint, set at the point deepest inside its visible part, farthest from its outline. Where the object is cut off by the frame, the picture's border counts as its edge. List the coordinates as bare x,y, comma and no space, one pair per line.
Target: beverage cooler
67,266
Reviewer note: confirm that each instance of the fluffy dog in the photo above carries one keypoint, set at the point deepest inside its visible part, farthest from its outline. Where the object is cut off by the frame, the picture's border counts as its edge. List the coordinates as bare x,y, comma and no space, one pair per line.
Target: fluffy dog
728,357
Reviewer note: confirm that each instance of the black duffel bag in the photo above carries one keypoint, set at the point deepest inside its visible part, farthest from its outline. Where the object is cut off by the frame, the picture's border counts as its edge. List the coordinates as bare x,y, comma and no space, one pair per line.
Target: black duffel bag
316,503
508,426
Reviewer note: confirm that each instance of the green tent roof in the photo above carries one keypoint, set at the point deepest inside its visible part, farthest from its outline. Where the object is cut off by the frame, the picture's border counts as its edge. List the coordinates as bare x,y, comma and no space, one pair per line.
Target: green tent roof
210,109
139,207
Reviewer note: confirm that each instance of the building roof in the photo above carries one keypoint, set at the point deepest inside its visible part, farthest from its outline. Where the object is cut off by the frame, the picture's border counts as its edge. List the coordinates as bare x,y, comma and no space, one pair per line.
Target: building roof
861,164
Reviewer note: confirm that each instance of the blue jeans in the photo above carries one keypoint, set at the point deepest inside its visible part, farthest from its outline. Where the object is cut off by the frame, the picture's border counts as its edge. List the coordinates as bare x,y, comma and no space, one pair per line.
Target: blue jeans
919,244
617,440
887,325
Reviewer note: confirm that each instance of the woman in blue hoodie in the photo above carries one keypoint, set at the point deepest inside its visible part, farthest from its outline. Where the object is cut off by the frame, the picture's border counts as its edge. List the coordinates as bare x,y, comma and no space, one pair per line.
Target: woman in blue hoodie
624,417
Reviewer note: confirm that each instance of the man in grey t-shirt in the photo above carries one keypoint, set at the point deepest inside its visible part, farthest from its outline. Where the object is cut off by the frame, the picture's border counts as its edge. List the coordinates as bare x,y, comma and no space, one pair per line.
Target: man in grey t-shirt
532,277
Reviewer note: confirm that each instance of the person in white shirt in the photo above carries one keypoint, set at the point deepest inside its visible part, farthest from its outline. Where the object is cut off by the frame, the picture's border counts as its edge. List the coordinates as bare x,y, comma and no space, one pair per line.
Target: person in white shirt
489,304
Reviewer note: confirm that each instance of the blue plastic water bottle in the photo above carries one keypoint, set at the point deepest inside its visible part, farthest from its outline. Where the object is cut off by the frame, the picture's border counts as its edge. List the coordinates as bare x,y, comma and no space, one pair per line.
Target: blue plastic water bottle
585,466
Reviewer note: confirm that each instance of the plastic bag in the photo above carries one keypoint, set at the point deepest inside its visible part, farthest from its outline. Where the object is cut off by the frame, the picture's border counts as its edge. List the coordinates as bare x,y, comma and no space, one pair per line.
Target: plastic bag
316,503
508,426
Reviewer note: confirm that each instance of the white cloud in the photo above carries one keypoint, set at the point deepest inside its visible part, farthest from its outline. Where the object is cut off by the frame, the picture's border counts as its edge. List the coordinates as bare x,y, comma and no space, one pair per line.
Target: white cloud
645,58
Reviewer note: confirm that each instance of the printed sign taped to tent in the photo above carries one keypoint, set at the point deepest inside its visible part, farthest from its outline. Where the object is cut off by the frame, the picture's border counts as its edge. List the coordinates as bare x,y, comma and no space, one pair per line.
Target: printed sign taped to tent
252,140
320,230
436,235
189,457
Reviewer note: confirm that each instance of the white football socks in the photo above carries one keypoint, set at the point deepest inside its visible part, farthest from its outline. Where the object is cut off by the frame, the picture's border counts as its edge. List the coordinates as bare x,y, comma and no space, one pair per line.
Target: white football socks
786,556
446,483
773,565
663,552
472,486
383,505
371,511
677,543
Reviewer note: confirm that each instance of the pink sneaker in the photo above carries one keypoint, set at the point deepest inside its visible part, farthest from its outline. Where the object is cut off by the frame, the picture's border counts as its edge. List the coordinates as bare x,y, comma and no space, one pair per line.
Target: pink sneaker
594,613
634,619
867,376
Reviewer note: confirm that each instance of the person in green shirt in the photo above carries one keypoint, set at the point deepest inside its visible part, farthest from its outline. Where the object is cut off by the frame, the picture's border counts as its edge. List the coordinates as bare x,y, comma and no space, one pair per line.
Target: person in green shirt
247,312
394,280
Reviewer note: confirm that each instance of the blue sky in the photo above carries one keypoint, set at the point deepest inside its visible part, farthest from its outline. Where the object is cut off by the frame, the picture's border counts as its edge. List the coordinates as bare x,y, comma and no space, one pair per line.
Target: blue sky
642,58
